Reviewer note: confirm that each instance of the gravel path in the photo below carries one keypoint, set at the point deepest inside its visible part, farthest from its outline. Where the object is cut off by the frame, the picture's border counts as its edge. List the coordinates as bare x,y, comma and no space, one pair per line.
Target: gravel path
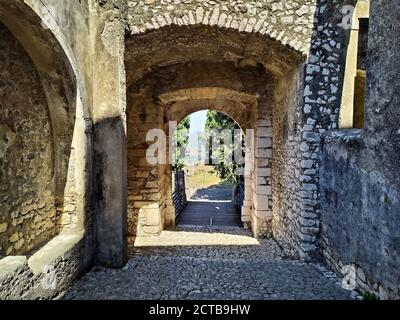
222,264
212,193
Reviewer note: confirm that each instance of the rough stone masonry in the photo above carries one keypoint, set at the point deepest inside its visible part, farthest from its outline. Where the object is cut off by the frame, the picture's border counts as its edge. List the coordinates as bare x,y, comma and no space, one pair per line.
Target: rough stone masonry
81,83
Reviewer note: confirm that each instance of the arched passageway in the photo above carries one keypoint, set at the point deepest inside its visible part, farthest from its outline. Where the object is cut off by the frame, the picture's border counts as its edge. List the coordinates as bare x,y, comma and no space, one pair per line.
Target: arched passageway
246,76
278,65
237,105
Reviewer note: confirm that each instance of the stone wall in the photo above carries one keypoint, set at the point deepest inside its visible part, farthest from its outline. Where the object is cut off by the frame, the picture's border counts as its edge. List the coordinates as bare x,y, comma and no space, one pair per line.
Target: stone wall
360,205
30,212
47,273
145,186
288,22
286,162
45,150
318,112
359,174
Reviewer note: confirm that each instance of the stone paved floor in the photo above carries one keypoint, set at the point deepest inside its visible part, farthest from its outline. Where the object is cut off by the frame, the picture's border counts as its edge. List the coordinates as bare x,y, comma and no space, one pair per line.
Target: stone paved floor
210,213
208,264
211,206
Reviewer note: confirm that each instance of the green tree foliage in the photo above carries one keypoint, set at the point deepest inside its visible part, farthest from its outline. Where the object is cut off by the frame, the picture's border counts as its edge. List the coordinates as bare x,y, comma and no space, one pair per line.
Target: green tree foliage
182,141
219,121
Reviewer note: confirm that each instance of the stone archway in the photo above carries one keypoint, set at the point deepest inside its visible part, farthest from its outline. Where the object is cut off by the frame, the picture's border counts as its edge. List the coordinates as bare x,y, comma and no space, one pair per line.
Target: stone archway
207,193
293,41
206,70
158,45
146,62
239,106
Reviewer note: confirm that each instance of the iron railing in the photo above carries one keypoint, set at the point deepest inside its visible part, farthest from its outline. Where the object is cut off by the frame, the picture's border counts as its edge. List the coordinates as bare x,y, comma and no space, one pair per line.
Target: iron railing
179,194
238,196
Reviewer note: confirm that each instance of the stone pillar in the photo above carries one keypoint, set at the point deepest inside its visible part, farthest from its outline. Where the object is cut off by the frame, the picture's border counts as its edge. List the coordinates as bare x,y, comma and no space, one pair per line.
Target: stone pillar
170,209
148,178
170,212
110,167
262,190
248,172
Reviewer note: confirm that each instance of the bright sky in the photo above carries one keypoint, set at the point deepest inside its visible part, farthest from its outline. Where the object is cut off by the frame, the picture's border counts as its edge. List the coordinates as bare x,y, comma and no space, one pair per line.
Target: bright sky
197,123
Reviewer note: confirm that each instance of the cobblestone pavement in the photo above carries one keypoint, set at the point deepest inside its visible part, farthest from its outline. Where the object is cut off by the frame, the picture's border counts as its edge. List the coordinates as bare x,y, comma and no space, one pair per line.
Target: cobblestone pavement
222,264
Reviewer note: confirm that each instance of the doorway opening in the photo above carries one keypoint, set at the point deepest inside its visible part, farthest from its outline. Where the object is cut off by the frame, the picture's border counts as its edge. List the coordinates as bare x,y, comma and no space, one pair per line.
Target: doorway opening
208,171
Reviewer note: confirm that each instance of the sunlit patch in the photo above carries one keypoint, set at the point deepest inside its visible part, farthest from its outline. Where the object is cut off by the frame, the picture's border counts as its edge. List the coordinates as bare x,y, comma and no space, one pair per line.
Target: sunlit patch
191,238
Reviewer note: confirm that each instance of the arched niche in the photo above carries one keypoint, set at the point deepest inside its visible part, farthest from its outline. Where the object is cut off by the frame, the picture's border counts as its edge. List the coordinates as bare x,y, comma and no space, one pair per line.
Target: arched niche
42,121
